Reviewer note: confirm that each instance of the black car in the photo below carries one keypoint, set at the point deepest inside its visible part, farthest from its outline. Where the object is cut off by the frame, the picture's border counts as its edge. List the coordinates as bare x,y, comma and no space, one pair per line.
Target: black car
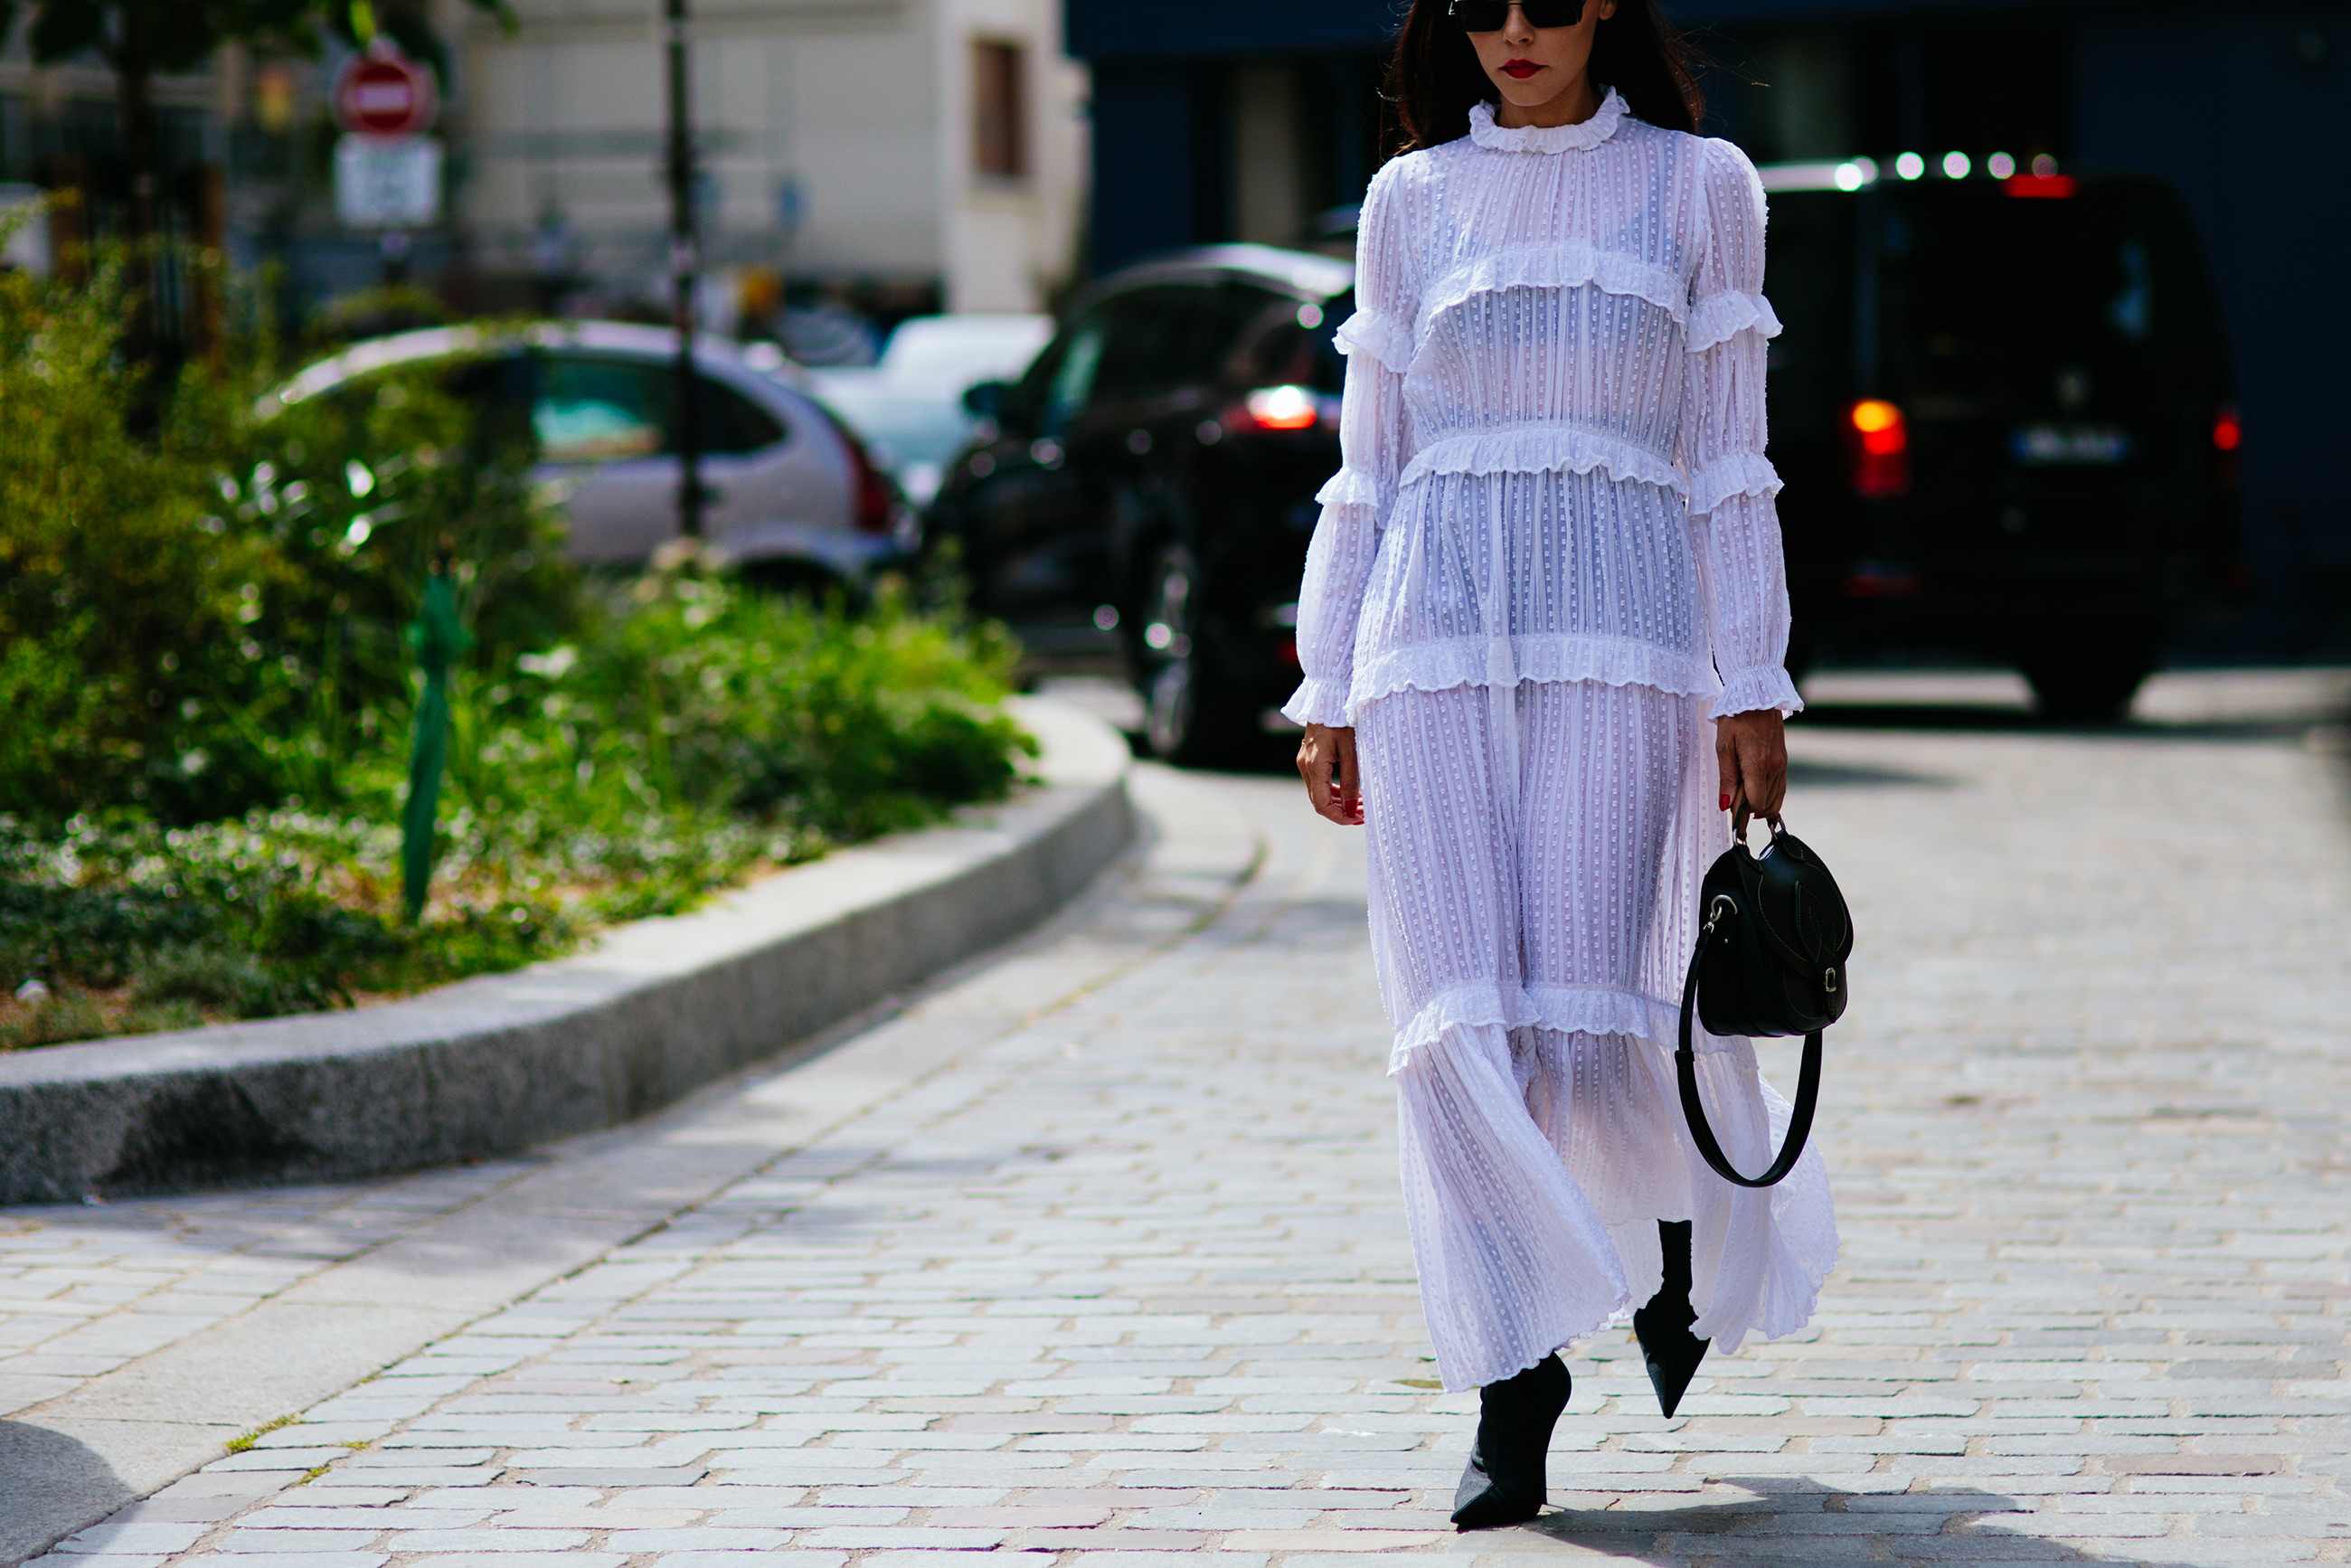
2001,410
1146,496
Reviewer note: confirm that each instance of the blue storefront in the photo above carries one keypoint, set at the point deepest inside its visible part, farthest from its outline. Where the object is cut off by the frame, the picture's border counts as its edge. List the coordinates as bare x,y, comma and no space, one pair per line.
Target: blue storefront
1219,120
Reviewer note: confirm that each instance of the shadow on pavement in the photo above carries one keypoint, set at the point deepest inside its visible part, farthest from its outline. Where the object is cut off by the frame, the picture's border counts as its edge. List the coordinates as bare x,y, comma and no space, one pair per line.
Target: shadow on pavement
50,1485
1965,718
1805,773
1785,1521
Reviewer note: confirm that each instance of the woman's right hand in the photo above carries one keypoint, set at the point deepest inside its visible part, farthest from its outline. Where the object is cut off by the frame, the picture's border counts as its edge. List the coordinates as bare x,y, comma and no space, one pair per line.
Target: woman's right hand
1326,760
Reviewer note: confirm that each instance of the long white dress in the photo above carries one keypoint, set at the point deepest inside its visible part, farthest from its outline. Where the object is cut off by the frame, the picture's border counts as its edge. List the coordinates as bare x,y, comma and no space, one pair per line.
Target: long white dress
1550,558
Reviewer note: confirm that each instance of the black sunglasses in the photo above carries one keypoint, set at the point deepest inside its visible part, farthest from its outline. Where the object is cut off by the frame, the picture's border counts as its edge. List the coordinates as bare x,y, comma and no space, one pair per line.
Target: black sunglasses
1494,16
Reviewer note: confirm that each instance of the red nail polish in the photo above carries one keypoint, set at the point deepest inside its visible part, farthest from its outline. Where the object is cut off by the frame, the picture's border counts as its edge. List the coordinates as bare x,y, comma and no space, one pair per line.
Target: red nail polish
1726,804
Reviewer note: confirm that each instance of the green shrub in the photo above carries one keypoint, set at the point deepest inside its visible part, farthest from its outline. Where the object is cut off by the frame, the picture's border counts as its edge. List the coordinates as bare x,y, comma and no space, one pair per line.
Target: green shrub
60,1019
205,620
208,697
119,598
221,979
696,732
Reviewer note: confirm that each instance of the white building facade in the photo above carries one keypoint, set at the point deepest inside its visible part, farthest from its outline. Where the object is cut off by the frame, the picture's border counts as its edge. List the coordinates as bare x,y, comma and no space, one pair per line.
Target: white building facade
898,144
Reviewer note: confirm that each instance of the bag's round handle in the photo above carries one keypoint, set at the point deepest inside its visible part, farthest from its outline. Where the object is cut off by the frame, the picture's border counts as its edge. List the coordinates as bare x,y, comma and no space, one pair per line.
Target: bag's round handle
1808,1084
1741,817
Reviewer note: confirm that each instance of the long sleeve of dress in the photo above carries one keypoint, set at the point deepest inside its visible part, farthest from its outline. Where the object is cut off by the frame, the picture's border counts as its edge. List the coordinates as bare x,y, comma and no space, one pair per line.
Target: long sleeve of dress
1734,522
1377,342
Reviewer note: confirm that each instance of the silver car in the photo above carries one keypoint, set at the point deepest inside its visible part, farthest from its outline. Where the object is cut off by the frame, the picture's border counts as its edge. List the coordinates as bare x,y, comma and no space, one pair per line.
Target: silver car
791,493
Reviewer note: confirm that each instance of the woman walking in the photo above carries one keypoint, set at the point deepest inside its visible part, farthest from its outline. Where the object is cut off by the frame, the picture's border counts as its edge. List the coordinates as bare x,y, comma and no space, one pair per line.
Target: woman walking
1543,621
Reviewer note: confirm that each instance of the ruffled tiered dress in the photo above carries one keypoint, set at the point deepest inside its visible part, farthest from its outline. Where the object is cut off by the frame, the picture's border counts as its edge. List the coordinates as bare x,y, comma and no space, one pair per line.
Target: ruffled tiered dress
1551,557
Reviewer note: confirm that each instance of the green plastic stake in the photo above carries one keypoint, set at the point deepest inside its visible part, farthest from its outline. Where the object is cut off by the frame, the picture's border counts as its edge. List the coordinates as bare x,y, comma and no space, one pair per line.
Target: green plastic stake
438,640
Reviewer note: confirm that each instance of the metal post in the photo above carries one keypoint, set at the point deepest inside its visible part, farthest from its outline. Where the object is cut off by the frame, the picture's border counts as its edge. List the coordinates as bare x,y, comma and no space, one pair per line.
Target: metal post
684,265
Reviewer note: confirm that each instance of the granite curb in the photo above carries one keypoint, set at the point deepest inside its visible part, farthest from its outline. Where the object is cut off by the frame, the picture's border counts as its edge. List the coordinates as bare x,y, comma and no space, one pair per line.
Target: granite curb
496,1065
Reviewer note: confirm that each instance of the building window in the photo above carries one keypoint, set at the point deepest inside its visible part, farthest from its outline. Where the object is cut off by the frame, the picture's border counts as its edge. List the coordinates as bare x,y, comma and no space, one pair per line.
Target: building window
1000,140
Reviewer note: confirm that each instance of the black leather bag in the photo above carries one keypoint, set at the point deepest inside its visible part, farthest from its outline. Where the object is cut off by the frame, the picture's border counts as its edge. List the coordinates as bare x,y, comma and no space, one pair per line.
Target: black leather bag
1770,961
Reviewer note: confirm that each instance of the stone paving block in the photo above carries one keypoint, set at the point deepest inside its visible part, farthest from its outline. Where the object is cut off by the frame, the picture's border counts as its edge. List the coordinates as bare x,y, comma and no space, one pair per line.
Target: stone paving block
135,1539
241,1540
488,1540
888,1537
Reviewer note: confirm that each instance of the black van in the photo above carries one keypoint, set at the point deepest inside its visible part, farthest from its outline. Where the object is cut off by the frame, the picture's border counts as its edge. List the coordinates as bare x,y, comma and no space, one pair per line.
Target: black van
1143,499
2001,410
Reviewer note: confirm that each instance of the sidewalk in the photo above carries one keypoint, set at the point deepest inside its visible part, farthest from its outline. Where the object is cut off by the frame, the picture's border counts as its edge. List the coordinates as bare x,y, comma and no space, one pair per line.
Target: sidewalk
1097,1250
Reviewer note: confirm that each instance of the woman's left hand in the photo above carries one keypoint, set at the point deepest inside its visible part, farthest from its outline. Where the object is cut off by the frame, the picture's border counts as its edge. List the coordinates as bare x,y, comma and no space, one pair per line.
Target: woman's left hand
1752,748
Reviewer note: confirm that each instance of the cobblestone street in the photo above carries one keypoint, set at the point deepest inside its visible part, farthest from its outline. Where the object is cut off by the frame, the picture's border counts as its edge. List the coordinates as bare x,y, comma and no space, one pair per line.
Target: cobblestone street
1108,1258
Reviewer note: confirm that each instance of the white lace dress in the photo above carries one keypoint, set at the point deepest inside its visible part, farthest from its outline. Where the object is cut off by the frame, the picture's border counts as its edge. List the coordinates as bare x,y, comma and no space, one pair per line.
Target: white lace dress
1550,557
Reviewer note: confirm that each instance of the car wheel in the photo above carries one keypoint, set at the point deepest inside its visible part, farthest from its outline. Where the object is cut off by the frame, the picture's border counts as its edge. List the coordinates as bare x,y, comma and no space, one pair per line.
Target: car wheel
2090,682
1187,718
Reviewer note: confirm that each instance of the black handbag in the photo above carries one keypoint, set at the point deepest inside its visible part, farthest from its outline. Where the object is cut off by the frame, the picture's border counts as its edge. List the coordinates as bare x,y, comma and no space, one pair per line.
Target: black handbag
1770,961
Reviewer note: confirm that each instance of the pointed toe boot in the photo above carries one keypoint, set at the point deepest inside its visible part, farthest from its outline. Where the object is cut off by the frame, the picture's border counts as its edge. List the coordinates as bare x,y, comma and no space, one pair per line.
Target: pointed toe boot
1507,1479
1663,1327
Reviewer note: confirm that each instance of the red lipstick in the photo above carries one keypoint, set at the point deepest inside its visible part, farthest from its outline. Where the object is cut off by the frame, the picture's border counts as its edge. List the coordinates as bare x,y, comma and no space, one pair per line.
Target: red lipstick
1520,70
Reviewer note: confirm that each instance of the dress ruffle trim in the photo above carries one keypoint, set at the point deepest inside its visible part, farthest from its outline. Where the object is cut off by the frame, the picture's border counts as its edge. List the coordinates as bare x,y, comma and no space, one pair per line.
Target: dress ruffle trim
1565,1010
1741,474
1719,320
1383,337
1574,265
1543,449
1552,658
1548,138
1350,488
1757,690
1318,702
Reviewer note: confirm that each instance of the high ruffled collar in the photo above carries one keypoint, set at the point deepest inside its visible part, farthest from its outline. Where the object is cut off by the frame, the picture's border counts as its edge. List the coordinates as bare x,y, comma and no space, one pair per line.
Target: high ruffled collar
1547,138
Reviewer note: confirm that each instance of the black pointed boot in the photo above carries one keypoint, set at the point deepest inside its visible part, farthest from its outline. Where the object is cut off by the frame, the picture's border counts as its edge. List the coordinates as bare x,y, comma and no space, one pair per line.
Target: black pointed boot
1663,1326
1507,1480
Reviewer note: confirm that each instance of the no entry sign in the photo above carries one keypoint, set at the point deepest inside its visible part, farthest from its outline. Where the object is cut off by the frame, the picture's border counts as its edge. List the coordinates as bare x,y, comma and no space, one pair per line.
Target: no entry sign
383,93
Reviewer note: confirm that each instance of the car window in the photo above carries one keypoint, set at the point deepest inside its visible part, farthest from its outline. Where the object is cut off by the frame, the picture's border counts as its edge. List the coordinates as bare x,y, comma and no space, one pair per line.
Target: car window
1810,278
1135,346
594,410
1150,345
1071,378
591,408
1288,342
732,422
1978,284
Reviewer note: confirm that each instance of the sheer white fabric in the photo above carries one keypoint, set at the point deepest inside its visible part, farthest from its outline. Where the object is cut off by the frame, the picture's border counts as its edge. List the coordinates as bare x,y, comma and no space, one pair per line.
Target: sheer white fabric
1550,555
1553,430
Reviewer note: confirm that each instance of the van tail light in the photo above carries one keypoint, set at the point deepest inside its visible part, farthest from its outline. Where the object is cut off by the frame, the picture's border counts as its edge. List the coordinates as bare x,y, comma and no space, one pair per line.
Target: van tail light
2045,187
875,499
2227,441
1877,450
1282,408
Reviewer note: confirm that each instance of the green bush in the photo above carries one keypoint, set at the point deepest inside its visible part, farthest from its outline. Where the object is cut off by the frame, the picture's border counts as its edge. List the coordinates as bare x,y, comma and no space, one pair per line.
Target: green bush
697,731
202,619
209,699
120,598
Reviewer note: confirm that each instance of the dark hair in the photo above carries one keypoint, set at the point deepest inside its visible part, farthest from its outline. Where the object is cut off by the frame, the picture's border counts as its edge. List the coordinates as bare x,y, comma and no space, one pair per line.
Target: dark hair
1434,80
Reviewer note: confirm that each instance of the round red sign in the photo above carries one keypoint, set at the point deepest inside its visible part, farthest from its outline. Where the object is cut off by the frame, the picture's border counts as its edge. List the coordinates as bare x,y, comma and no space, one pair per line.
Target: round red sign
385,93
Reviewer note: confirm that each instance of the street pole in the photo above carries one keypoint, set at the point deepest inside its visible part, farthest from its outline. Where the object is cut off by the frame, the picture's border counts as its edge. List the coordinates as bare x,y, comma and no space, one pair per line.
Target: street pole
684,264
